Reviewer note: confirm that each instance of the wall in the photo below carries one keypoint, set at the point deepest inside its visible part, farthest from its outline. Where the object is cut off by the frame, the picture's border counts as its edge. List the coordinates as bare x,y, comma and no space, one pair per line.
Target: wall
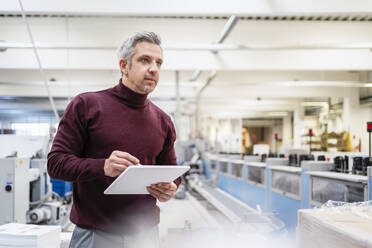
224,135
363,115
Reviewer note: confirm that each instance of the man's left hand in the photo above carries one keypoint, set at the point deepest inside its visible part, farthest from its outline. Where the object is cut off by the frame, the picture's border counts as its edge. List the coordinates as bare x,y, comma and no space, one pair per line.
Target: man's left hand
162,191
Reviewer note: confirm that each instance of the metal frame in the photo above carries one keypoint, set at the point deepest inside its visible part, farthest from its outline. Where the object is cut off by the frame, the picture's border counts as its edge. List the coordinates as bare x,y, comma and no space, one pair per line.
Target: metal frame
285,193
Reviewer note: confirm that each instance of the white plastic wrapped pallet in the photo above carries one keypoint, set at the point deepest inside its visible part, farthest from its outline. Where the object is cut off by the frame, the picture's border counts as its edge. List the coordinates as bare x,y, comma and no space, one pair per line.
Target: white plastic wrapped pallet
29,236
334,225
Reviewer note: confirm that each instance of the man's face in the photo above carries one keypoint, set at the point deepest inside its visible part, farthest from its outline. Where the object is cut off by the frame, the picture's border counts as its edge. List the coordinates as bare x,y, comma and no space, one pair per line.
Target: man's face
143,75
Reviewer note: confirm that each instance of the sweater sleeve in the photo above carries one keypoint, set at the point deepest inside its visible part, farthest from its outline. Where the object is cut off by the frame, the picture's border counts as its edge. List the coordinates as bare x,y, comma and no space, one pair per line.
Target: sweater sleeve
168,155
64,160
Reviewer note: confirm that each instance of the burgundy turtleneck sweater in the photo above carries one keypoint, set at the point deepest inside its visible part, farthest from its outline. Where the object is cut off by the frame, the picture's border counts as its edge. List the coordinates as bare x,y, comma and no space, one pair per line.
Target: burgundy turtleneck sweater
92,127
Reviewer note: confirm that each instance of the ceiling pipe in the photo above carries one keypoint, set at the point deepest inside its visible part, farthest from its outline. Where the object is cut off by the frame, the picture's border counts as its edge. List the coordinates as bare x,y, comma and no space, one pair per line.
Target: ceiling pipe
195,76
46,83
210,78
225,32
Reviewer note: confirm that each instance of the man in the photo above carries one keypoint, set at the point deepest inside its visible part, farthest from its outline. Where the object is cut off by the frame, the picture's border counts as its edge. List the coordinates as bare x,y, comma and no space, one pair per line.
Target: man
100,135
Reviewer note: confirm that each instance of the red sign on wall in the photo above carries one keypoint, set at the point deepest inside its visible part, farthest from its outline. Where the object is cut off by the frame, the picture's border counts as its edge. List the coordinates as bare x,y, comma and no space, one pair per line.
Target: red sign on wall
310,132
369,126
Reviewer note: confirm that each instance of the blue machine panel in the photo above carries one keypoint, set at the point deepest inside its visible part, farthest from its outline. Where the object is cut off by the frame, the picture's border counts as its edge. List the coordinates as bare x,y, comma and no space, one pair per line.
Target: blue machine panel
207,168
61,187
255,196
224,182
370,190
305,189
287,209
237,189
284,198
268,187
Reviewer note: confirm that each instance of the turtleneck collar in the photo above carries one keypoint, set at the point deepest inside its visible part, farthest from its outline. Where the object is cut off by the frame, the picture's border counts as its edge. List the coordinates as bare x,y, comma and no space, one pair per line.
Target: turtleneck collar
130,98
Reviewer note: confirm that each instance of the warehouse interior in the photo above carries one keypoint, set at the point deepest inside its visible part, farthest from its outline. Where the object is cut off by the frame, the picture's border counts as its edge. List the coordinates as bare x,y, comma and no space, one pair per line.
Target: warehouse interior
271,102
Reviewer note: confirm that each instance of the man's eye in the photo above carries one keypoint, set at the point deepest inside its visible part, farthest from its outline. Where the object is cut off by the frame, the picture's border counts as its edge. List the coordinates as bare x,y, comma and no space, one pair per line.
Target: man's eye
158,63
144,60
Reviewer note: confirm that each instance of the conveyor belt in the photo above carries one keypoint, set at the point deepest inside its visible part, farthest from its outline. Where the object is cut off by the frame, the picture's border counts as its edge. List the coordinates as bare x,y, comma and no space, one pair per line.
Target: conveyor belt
236,211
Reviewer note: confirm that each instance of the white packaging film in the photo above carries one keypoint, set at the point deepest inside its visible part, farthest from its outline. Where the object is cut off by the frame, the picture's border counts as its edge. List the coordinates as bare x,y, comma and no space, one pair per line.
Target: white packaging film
335,225
29,236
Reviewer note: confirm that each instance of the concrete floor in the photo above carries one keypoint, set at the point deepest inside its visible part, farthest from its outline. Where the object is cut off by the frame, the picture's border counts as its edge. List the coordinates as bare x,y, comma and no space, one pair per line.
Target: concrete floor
191,223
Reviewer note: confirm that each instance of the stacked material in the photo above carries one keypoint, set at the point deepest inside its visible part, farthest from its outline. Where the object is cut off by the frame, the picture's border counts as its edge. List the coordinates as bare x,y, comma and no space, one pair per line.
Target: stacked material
346,225
29,236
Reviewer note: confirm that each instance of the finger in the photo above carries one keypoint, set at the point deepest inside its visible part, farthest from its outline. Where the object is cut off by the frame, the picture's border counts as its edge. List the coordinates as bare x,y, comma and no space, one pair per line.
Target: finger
121,161
169,186
163,199
119,167
153,192
170,192
126,156
164,191
157,194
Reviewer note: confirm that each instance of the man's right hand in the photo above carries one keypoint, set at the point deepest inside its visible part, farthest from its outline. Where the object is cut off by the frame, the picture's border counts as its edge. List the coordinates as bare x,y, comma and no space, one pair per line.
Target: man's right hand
118,162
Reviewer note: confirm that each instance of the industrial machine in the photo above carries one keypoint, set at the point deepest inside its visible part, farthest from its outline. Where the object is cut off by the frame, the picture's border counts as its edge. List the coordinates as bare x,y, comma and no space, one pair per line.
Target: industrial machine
360,165
26,190
284,186
341,164
15,188
325,186
26,193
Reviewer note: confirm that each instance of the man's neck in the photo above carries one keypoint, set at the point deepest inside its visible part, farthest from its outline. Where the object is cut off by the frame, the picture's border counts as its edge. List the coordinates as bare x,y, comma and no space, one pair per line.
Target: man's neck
127,83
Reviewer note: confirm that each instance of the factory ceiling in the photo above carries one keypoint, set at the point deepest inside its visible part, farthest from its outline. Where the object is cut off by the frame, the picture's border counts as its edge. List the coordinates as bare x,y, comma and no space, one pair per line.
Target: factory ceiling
280,52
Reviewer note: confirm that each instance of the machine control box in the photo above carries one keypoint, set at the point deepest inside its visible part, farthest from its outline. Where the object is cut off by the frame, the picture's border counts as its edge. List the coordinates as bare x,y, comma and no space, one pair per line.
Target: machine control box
14,190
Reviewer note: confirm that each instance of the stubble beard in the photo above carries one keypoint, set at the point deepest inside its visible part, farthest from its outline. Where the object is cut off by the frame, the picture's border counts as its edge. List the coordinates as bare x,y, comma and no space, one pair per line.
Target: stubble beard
145,88
141,87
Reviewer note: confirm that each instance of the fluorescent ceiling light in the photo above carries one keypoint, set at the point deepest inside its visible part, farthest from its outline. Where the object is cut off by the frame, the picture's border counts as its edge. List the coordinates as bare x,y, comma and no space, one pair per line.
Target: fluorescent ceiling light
314,104
278,113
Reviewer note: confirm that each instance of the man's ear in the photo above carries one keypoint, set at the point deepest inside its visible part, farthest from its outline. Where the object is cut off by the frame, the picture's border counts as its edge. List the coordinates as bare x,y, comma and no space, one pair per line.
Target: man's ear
123,66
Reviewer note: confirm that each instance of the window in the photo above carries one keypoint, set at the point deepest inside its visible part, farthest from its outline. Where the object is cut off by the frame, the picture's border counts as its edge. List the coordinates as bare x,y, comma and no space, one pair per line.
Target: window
31,129
213,165
237,170
324,189
256,175
223,167
286,183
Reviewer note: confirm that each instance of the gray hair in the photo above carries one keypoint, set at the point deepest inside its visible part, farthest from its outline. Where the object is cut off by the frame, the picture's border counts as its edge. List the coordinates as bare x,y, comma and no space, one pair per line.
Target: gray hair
127,49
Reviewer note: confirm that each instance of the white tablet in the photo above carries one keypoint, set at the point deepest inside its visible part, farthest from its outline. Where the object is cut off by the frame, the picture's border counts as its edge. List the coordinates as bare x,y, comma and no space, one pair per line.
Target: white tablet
135,179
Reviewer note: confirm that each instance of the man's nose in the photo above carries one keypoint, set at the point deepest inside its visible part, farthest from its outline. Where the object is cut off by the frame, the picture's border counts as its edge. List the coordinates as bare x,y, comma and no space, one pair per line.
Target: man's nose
153,67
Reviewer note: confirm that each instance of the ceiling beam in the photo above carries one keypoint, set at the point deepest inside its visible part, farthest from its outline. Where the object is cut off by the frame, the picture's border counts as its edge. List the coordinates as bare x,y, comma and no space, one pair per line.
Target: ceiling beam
185,60
191,7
